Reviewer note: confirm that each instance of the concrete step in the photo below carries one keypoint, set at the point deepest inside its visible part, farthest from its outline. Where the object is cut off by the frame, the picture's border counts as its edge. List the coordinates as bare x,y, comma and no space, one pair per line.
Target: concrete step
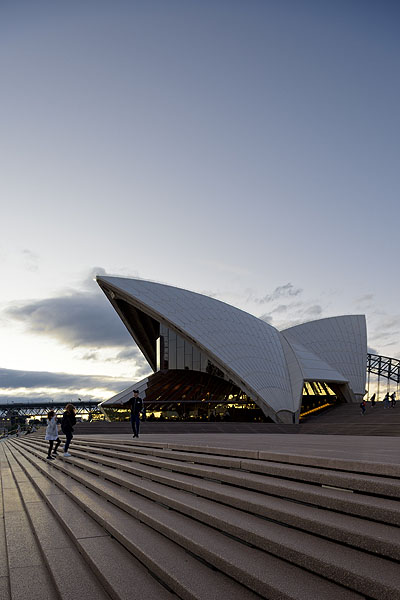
351,414
187,576
373,508
26,574
256,569
361,466
360,504
378,485
74,579
362,571
377,538
5,593
115,568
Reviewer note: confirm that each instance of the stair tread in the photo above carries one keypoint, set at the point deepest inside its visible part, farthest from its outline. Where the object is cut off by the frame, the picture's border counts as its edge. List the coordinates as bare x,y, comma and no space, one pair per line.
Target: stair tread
345,528
163,557
325,558
28,575
357,481
361,504
116,567
4,588
73,580
228,511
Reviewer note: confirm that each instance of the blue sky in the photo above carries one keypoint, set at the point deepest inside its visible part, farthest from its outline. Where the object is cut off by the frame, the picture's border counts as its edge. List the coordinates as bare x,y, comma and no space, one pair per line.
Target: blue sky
247,150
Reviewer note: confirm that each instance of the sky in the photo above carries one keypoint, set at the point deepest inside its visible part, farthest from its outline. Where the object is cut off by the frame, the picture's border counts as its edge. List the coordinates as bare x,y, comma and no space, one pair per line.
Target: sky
247,150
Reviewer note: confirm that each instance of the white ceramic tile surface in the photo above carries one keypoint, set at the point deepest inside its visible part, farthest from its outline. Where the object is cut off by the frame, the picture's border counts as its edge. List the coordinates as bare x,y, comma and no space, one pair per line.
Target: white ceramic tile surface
271,365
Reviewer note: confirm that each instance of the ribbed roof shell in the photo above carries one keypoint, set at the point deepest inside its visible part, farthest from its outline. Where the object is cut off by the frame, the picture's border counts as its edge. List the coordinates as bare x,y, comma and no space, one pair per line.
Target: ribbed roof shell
268,365
245,347
341,342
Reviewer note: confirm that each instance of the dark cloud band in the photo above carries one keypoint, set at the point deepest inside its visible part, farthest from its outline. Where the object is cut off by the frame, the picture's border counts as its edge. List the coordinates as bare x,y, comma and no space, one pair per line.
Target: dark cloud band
81,319
12,378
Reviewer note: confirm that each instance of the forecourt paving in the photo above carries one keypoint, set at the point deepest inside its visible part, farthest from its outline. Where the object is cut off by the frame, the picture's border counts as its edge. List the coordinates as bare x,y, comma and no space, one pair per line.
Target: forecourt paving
200,517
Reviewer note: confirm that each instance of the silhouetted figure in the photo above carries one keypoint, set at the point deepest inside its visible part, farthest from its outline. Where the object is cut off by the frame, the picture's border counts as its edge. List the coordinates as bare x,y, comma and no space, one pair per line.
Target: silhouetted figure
393,400
386,401
136,405
67,426
373,400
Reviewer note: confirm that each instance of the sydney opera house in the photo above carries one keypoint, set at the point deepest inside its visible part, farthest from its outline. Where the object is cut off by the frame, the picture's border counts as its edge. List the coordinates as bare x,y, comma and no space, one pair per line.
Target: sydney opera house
205,353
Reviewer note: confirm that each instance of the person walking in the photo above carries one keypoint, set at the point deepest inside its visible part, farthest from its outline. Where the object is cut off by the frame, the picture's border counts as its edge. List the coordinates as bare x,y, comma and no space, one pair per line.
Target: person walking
373,400
393,400
136,405
363,407
386,401
67,426
52,435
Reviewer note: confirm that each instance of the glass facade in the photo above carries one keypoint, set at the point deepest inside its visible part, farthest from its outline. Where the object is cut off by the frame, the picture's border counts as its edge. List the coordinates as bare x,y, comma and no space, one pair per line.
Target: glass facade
173,352
317,396
183,395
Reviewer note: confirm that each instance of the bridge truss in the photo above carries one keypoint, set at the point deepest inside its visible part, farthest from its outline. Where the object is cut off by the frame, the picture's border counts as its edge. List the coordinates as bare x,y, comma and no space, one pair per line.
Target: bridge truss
40,409
384,368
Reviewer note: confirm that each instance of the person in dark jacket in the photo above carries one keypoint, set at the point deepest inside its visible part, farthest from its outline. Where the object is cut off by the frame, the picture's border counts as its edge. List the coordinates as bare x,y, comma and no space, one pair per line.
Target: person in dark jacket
67,426
136,406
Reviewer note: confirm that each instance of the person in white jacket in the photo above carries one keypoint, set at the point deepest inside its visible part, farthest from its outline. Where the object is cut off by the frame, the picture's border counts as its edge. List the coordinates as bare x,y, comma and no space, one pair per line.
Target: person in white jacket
52,435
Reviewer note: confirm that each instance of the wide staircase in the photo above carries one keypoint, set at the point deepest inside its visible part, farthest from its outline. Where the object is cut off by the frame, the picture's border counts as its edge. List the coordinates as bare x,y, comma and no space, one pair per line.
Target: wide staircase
156,521
346,419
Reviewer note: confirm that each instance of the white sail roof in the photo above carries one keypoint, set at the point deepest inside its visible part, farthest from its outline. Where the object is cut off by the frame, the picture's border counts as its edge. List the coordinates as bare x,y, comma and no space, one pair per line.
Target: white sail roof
243,346
339,341
268,365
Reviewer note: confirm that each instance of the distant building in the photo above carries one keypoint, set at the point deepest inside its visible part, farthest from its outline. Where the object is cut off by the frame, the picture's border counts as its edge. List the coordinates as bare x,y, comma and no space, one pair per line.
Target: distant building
202,350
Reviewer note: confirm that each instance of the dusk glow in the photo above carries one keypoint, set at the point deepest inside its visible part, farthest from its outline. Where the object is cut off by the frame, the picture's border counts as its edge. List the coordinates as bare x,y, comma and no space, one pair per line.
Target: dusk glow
244,150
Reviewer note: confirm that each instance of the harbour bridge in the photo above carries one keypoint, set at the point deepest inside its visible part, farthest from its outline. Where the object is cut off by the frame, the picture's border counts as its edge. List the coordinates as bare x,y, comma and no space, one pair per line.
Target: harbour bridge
387,372
39,409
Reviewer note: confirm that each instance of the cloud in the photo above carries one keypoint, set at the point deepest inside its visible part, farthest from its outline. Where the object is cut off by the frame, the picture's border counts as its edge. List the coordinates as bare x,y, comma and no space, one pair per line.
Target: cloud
366,299
13,378
130,354
30,260
384,332
371,350
281,308
282,291
267,318
314,310
26,387
74,319
288,315
90,356
89,282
